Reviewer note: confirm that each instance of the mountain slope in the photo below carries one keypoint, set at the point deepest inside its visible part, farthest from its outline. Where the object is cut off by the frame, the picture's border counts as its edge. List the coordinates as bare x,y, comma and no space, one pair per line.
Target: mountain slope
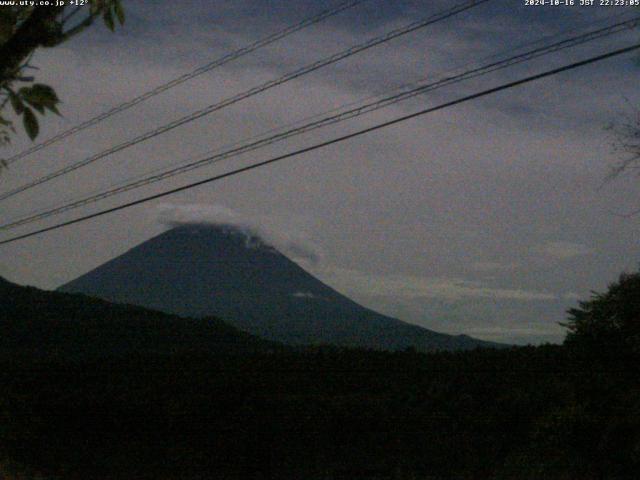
202,270
37,323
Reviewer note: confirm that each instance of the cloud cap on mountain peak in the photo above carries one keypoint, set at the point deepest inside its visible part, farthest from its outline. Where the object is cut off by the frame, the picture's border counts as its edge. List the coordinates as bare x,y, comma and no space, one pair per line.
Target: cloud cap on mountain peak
295,244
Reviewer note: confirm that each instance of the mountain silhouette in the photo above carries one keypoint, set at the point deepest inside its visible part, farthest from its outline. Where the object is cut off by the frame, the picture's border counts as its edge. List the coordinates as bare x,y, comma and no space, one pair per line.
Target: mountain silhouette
205,270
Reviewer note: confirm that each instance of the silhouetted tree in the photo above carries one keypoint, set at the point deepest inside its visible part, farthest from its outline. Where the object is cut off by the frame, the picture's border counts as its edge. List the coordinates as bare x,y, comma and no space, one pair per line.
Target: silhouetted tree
608,322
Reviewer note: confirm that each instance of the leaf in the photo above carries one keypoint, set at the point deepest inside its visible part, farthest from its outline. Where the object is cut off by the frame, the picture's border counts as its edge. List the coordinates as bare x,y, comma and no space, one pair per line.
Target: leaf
108,20
54,109
119,11
30,123
16,103
38,107
39,93
40,96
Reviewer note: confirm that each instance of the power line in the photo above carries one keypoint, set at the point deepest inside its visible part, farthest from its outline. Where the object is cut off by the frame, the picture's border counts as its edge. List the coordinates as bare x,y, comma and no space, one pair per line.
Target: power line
573,41
229,57
403,87
343,138
354,112
253,91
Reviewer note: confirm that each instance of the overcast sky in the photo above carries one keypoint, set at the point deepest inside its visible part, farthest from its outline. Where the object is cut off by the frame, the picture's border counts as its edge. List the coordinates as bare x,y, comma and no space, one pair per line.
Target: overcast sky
489,218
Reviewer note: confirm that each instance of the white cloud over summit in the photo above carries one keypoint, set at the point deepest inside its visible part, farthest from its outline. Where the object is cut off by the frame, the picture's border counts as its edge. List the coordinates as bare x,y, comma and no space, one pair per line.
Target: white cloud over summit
296,245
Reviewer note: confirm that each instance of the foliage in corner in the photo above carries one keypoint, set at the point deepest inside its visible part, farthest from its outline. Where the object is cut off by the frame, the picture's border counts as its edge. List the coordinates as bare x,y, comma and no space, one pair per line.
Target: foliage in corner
24,29
608,323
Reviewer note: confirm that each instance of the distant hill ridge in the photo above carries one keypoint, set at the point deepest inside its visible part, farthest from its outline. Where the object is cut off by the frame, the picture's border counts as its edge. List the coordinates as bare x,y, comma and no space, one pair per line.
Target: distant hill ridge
205,270
36,323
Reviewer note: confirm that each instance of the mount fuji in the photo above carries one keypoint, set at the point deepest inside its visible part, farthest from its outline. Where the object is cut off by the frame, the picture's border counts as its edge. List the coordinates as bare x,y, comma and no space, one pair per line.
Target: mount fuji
202,270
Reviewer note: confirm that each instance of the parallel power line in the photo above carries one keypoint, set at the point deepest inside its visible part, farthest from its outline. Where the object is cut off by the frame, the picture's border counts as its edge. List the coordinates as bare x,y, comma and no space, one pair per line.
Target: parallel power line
329,120
438,17
229,57
317,146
